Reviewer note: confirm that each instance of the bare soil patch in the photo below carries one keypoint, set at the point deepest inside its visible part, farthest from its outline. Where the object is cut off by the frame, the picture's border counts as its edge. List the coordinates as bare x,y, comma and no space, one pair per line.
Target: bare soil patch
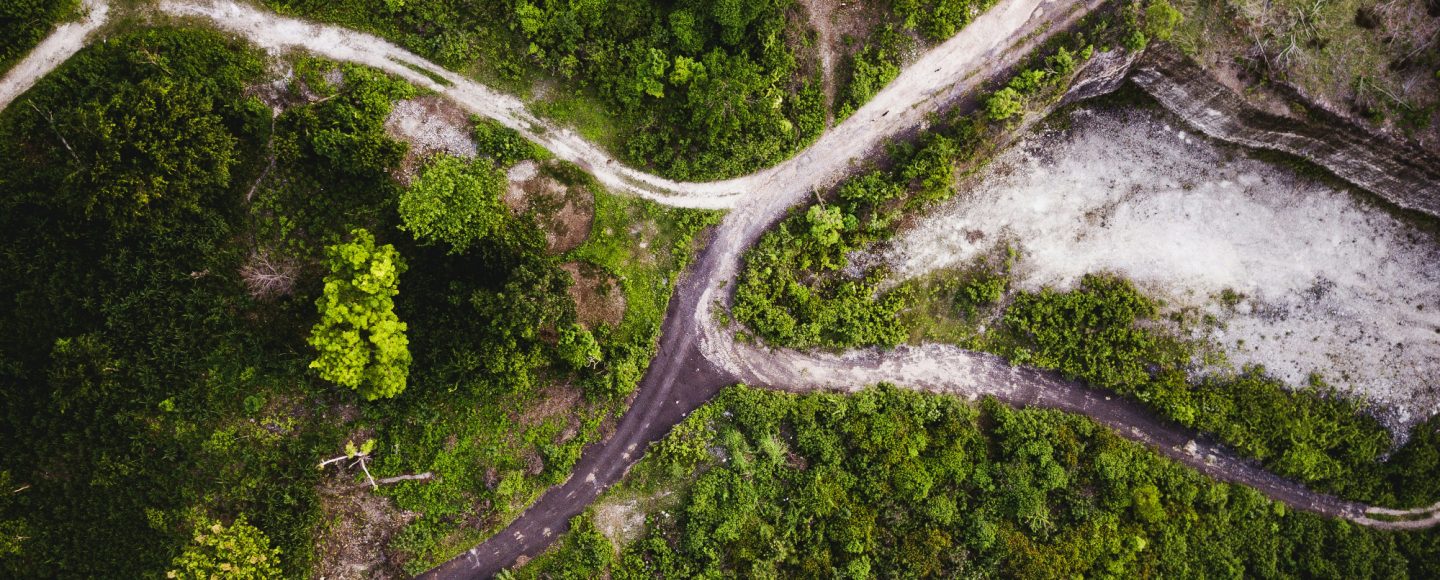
431,125
553,401
1319,281
840,30
621,521
352,543
564,212
598,296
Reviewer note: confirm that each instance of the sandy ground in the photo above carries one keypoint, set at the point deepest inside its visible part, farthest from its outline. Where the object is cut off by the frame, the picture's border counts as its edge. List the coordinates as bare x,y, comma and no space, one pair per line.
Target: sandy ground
1330,285
64,42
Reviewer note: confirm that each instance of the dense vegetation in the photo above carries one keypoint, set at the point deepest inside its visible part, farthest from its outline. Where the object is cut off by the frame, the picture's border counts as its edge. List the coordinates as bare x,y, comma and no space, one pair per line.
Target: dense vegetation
24,22
171,242
890,483
791,291
125,351
702,89
796,291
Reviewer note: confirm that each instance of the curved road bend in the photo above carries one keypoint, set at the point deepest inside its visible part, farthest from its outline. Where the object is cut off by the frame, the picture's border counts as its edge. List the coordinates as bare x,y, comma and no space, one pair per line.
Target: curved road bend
996,41
683,376
947,70
933,367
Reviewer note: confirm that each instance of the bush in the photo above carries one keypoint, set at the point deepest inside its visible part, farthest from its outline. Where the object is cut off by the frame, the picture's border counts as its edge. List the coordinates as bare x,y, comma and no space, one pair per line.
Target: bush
1091,334
455,202
1161,19
1004,104
238,551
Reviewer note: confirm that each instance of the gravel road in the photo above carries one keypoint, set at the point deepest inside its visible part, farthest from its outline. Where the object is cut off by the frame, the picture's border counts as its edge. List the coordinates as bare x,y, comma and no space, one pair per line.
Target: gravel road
697,357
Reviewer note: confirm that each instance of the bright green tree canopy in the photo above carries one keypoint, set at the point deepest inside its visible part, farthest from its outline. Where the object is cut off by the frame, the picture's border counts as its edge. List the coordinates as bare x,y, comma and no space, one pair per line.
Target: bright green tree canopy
454,201
238,552
361,342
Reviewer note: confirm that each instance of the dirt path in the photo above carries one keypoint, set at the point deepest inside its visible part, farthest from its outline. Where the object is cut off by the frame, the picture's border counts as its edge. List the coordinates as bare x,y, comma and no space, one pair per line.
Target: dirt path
902,106
948,70
64,42
822,16
697,357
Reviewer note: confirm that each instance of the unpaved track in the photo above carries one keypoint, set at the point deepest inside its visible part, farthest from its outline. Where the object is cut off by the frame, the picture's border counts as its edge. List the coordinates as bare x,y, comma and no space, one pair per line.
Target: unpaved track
64,42
697,357
938,76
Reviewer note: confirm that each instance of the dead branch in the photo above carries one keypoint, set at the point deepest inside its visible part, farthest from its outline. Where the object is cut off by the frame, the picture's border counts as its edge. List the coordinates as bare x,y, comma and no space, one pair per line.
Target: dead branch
427,476
50,118
269,144
361,461
333,460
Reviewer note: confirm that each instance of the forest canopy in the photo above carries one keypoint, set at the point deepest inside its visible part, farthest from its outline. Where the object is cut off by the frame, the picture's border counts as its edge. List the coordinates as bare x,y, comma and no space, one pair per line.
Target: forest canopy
891,483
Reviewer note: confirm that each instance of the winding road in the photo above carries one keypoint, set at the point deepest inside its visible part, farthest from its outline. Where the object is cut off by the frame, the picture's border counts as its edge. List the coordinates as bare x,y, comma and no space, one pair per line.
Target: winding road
697,356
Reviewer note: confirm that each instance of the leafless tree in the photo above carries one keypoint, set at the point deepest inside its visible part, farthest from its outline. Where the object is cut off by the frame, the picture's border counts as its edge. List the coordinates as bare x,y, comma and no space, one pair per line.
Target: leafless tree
268,277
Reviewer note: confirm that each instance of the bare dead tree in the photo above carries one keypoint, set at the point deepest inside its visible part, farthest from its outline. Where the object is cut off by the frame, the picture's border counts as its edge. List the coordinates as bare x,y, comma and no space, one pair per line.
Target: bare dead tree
427,476
360,454
50,118
268,277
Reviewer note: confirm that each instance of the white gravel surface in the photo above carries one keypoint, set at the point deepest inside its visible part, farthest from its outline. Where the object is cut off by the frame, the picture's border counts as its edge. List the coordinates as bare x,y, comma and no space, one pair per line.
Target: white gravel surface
415,121
1331,285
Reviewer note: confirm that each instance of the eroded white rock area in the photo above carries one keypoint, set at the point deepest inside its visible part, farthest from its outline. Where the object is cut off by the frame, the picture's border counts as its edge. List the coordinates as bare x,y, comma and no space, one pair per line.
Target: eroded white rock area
432,125
1330,284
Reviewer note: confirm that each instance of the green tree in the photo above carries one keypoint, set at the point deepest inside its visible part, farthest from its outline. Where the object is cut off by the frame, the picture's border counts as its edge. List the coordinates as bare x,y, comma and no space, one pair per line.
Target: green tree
650,73
1005,103
686,30
454,201
238,552
1161,19
826,224
361,342
578,347
685,69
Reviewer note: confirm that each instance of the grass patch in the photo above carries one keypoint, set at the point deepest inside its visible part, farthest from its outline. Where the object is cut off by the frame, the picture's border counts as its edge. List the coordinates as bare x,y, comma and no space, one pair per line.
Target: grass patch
584,114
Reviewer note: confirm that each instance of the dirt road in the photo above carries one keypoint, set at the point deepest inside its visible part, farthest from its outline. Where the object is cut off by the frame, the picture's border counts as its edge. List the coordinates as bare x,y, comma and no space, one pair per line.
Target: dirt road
697,357
63,43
